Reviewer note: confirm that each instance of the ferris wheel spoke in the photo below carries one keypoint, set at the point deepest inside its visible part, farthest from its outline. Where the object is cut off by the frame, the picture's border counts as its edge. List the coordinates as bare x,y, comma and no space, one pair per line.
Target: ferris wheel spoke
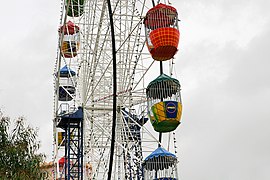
105,130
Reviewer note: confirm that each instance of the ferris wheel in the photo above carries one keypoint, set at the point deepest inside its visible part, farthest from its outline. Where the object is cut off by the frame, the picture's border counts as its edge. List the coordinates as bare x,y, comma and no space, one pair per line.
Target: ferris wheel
105,93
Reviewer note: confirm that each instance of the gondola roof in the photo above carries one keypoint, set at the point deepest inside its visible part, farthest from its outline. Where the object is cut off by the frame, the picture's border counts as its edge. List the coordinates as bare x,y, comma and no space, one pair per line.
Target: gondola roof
159,152
162,87
161,13
69,28
162,78
64,72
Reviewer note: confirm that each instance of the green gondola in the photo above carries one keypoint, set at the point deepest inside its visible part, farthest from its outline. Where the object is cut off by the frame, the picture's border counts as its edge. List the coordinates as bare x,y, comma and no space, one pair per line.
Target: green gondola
164,103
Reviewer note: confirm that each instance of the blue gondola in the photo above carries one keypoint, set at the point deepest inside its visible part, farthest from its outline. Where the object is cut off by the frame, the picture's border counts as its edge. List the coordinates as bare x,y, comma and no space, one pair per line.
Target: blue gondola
160,165
66,84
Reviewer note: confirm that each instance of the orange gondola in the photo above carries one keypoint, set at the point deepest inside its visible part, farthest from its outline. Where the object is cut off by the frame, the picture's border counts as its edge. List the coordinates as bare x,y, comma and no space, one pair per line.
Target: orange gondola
161,27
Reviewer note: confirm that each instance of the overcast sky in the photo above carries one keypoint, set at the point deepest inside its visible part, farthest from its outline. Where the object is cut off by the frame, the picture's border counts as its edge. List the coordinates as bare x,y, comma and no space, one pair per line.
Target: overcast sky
223,66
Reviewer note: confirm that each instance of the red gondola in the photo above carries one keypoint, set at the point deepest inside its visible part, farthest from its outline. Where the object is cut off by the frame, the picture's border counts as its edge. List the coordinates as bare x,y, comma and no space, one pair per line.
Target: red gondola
70,43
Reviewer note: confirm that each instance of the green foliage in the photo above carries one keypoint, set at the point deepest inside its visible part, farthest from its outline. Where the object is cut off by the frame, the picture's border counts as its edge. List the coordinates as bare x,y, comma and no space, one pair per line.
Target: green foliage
19,159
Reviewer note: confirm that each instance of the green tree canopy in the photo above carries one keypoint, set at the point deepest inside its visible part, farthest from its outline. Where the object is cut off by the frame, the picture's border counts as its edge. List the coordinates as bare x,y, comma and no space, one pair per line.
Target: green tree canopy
19,159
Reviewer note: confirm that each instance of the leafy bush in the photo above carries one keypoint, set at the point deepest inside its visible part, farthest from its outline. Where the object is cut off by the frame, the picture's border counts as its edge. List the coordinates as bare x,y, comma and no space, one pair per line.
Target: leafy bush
19,159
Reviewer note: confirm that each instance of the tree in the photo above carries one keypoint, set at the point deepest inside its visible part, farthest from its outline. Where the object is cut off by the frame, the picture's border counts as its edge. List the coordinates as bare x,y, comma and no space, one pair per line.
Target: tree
19,159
